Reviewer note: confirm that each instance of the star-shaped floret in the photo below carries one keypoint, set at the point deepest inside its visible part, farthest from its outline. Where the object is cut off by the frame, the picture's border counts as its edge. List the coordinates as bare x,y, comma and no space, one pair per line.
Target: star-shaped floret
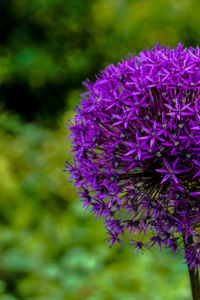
153,134
170,171
136,147
178,110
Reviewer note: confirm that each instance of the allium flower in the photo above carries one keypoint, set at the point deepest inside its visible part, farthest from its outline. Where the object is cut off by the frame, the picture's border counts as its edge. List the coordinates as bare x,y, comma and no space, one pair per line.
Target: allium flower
136,144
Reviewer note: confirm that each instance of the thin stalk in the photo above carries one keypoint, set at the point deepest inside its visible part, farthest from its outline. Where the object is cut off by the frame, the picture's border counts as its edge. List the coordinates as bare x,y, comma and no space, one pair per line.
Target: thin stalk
194,277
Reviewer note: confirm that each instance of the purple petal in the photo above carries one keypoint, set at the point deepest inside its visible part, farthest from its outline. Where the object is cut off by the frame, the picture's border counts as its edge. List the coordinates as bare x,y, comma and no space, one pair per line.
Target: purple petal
165,178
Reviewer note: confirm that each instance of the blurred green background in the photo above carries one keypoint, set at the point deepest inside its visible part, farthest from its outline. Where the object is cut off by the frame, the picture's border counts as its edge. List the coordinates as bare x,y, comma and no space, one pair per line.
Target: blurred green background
50,248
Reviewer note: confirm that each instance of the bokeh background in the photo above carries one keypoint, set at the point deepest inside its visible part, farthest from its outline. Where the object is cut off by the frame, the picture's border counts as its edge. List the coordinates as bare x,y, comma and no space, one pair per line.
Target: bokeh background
50,248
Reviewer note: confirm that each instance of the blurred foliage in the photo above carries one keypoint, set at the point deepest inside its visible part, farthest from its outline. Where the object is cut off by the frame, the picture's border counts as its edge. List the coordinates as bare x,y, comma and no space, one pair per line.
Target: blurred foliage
50,249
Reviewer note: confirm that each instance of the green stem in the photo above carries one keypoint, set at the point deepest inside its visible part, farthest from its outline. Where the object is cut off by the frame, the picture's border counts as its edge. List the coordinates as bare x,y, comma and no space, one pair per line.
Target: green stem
194,282
194,277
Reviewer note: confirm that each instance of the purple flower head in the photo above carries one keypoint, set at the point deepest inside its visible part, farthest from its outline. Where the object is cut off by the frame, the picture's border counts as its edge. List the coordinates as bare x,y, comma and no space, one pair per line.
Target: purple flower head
136,145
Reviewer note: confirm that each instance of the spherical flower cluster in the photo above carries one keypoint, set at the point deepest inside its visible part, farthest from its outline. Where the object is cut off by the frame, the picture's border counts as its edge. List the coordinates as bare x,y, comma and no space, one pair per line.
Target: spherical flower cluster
136,144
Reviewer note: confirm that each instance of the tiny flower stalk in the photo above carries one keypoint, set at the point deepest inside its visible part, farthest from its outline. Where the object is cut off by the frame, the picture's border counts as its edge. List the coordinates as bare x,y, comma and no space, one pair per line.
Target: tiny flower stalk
136,151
